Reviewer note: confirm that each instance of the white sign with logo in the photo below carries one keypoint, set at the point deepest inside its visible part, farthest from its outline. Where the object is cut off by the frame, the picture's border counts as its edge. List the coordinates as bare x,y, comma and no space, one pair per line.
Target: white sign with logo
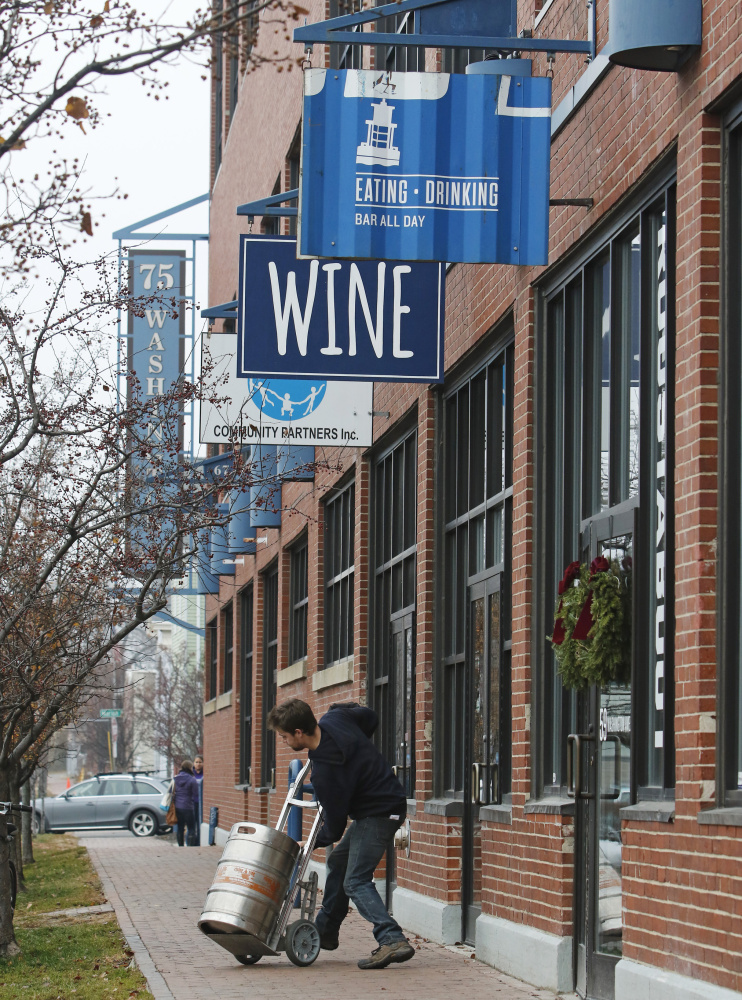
315,411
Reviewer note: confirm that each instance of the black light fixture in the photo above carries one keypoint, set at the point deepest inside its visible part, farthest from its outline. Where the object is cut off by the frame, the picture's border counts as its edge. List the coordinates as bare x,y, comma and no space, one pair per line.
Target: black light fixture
654,34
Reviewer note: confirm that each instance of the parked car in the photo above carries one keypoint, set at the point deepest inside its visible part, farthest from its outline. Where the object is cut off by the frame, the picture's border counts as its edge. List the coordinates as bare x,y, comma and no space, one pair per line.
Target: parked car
105,801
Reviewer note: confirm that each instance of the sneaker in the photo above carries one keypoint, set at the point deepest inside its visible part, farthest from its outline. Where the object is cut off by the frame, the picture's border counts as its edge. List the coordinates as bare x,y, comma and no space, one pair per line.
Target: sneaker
385,954
328,941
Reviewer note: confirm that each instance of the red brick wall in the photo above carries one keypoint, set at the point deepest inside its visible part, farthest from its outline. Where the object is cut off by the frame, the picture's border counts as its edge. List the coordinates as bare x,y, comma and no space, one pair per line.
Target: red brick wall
682,883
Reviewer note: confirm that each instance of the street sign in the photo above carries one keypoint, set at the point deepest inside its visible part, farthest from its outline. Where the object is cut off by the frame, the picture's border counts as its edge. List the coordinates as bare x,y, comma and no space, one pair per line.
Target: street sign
111,713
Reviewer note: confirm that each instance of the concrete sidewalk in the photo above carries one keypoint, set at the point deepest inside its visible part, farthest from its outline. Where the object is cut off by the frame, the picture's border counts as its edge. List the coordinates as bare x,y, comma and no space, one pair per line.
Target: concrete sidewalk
158,891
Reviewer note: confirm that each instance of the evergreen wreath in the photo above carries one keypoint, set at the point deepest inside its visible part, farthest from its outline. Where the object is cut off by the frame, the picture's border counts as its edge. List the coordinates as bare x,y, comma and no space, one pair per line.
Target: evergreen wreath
592,624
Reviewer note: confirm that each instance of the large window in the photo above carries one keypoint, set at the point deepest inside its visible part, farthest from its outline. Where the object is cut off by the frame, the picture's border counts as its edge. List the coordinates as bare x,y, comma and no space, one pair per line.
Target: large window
213,653
340,526
478,489
394,566
270,666
246,683
228,627
605,451
729,659
299,602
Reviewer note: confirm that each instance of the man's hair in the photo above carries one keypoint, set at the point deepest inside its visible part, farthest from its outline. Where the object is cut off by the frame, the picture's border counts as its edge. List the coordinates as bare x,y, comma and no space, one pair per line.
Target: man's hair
292,715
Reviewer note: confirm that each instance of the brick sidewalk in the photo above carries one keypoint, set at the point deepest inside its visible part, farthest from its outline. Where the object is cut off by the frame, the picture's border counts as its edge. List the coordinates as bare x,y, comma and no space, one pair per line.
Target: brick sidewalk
158,891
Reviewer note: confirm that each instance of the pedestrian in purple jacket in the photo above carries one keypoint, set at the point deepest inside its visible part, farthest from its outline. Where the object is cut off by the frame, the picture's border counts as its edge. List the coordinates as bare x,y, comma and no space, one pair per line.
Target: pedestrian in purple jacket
185,796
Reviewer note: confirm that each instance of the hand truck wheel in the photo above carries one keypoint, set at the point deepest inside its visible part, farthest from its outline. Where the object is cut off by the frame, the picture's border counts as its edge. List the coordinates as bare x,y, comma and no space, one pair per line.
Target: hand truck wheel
302,942
248,959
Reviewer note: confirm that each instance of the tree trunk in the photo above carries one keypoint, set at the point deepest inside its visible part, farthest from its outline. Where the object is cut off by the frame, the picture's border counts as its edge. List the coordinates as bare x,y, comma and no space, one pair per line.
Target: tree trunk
15,817
26,841
8,944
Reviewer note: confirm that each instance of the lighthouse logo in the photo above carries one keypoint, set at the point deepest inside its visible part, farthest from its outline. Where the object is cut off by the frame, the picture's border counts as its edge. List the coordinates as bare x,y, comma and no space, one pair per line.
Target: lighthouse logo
378,148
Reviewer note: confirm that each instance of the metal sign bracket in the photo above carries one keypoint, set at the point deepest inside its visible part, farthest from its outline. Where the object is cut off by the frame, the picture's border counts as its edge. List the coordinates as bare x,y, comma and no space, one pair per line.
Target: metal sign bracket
345,30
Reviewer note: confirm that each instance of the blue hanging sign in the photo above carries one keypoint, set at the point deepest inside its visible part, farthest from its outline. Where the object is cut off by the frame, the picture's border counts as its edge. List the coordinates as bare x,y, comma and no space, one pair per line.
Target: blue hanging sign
374,321
425,166
155,336
155,354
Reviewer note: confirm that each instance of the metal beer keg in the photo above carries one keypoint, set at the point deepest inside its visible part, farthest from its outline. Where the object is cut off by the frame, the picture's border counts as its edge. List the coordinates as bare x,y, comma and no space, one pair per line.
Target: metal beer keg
251,881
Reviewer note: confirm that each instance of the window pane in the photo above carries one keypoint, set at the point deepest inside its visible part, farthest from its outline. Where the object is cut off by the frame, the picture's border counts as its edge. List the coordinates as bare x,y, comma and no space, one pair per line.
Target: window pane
477,433
462,455
410,492
451,464
495,429
246,683
339,577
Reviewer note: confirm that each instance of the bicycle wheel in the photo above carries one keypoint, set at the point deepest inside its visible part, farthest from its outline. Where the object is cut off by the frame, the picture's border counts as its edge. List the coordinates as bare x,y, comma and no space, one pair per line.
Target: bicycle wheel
13,884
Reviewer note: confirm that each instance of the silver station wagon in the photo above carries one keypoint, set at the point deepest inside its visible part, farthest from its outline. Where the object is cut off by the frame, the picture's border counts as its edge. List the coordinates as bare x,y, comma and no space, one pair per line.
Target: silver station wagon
105,801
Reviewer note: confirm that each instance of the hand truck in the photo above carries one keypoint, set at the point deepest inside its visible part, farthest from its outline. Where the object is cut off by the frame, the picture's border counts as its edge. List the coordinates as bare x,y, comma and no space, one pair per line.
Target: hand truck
300,938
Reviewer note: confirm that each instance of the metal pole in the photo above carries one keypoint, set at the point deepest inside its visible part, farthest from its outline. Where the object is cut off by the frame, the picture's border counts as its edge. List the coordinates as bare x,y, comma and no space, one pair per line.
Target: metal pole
296,814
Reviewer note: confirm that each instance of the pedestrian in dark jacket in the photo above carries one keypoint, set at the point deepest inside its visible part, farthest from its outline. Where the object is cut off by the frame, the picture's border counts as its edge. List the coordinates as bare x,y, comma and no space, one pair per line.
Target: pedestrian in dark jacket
350,779
185,796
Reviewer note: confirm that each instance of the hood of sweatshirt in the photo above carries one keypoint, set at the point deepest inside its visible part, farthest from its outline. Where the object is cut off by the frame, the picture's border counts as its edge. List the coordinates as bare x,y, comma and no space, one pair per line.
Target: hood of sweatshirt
346,724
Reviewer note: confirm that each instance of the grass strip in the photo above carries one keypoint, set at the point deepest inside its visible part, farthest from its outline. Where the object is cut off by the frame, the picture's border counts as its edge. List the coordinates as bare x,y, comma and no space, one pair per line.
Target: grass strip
67,958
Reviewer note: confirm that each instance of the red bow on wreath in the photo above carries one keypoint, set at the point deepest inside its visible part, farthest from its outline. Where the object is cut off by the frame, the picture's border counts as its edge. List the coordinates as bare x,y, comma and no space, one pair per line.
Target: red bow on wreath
585,622
571,573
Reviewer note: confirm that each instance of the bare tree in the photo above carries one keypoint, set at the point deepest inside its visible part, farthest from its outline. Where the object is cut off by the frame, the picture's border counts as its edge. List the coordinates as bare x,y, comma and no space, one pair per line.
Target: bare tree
170,710
55,58
96,518
89,544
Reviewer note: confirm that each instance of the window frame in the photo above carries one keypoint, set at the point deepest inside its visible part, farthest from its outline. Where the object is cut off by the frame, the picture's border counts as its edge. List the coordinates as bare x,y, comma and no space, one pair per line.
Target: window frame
212,632
269,582
729,640
298,599
227,679
339,512
393,549
458,513
247,606
552,435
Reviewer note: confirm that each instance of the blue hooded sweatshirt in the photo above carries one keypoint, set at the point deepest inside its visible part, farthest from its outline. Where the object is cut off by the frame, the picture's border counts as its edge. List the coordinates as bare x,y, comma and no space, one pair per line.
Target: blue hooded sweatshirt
186,791
349,775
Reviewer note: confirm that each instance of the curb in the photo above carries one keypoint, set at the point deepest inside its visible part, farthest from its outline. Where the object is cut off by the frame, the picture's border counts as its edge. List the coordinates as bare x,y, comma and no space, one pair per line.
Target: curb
155,981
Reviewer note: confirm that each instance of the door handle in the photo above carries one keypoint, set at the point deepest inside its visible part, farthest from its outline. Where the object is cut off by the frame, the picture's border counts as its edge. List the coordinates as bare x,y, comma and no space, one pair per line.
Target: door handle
574,765
475,776
615,793
395,770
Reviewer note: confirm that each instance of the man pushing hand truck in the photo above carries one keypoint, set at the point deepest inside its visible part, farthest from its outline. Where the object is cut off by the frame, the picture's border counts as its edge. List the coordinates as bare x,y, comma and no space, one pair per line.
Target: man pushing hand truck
350,779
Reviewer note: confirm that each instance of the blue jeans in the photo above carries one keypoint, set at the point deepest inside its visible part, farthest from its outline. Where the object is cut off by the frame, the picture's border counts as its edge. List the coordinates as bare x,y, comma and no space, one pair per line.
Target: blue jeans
350,875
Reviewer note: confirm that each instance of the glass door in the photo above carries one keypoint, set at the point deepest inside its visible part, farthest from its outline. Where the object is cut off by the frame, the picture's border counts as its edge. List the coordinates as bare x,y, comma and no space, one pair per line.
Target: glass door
487,704
599,776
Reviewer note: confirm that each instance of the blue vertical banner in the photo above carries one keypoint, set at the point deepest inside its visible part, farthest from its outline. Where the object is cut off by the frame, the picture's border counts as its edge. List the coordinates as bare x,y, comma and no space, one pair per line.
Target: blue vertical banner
155,356
156,330
425,167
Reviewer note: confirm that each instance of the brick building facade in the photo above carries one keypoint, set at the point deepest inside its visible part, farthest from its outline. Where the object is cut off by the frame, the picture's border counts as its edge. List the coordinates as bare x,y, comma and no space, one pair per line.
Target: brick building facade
590,407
